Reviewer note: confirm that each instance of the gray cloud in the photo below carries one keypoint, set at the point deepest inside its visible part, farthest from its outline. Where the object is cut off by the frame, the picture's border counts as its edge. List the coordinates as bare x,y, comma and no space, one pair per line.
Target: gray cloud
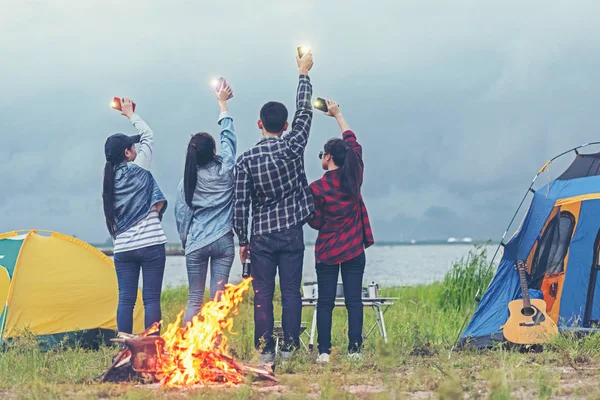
457,104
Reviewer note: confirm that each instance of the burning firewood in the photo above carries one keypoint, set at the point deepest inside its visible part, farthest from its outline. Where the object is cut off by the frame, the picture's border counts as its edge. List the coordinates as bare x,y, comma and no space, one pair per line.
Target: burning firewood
140,356
194,354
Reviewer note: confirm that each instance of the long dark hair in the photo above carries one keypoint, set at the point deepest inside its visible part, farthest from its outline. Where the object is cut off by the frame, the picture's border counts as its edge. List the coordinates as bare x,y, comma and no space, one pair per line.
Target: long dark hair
200,151
349,164
108,191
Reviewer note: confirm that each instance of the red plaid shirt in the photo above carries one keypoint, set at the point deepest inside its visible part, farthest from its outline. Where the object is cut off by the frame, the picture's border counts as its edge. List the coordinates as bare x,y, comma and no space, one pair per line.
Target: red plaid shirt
342,221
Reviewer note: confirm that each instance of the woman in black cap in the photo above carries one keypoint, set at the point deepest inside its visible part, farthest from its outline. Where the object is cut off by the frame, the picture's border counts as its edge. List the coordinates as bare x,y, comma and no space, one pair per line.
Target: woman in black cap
133,208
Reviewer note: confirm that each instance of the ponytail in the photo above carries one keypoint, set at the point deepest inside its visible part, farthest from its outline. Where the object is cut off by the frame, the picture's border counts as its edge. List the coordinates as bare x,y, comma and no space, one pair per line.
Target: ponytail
351,173
108,197
349,164
190,174
201,150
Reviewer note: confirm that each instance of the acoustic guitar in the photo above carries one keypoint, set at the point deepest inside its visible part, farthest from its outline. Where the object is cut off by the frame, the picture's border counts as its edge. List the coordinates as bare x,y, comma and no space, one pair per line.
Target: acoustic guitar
528,322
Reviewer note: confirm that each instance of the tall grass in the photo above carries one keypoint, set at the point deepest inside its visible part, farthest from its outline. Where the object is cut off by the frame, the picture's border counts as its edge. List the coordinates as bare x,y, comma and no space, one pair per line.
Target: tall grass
467,278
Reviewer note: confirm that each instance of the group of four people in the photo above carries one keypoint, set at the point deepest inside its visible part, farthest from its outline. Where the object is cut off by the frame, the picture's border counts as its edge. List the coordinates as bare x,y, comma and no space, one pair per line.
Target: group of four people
215,198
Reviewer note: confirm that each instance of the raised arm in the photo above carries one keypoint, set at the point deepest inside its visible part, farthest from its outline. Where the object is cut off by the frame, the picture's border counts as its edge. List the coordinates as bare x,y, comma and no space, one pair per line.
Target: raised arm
228,138
241,204
347,134
144,155
333,110
298,137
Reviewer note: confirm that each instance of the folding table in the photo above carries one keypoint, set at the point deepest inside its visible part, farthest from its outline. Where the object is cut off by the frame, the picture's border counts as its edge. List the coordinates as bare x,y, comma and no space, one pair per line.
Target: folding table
379,305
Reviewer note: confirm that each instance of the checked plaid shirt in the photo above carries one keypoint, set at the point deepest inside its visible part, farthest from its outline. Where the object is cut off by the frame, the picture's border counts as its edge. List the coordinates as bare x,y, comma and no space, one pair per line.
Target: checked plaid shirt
271,177
342,221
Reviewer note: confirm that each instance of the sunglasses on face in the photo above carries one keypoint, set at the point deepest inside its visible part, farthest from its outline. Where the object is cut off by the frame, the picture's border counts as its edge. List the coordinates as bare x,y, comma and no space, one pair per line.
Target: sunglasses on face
321,154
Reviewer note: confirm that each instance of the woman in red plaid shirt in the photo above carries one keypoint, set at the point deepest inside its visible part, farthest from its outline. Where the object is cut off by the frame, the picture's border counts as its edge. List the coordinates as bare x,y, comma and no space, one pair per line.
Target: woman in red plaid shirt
344,232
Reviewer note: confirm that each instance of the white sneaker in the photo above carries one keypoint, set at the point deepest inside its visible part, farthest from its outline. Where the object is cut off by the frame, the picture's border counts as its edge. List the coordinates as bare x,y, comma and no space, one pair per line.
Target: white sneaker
323,358
355,357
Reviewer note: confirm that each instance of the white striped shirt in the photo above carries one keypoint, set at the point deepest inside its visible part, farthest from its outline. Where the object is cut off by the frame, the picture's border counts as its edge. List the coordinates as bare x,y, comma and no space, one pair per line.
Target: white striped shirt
146,233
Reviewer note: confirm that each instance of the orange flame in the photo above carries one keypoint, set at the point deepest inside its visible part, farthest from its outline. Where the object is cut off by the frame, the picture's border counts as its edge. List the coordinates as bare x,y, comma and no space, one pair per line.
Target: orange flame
198,353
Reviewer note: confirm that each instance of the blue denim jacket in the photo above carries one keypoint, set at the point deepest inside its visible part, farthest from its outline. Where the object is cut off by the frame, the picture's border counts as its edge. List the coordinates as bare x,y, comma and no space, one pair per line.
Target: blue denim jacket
212,214
136,193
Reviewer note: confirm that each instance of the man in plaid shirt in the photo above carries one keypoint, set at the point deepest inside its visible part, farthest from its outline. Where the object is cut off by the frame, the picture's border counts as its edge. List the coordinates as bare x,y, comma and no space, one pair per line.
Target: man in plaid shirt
270,177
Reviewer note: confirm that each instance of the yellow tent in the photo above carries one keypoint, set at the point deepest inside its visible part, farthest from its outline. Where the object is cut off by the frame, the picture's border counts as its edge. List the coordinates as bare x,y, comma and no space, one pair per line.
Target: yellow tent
57,287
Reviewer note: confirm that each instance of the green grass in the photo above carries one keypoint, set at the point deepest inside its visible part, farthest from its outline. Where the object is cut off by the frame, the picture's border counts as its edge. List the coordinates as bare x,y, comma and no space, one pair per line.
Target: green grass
422,327
467,278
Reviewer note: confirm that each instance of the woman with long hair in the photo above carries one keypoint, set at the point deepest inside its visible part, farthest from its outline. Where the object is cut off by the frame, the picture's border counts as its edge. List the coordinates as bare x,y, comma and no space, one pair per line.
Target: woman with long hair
344,232
133,209
204,209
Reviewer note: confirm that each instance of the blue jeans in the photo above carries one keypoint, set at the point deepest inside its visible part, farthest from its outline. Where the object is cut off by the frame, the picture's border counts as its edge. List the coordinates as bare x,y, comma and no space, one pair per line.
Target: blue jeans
352,277
284,249
151,260
221,254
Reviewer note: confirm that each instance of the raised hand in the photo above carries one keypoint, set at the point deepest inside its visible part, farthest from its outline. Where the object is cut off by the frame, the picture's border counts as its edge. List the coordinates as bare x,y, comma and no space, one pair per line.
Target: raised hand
224,94
305,63
126,107
333,110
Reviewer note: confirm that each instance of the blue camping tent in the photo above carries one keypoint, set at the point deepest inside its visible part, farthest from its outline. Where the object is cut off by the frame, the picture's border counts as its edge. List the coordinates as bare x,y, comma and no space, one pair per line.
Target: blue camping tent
559,239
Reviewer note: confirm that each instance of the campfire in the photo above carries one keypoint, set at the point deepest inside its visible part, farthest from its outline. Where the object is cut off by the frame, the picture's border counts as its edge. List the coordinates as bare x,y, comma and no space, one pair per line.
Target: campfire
196,354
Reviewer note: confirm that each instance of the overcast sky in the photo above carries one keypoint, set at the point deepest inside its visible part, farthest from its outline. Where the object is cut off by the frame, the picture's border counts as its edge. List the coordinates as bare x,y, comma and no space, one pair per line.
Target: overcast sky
457,103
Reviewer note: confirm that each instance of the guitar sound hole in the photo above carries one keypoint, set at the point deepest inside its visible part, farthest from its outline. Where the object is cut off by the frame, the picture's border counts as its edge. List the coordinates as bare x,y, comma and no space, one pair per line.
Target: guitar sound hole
528,311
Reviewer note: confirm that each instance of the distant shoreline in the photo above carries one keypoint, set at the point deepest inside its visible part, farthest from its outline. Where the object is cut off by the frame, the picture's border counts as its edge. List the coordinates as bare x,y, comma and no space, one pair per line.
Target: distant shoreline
174,249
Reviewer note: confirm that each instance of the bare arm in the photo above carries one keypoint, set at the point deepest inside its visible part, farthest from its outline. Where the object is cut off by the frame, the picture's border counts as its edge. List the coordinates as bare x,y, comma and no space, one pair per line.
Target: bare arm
342,123
347,134
334,111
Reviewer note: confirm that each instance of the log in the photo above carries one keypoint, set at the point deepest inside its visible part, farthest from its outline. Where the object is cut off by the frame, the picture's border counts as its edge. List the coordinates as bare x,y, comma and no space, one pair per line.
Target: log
265,372
139,352
116,361
124,335
261,372
124,361
121,357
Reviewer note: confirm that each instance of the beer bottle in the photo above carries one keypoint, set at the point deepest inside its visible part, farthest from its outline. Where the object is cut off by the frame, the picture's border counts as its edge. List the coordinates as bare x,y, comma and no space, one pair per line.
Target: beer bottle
246,269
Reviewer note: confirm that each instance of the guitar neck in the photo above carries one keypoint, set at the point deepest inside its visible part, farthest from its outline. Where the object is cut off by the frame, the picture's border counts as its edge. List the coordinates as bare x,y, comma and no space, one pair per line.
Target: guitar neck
524,287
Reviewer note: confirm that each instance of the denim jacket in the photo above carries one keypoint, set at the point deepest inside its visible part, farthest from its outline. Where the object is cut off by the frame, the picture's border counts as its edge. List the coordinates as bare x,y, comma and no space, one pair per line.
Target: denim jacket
211,216
136,194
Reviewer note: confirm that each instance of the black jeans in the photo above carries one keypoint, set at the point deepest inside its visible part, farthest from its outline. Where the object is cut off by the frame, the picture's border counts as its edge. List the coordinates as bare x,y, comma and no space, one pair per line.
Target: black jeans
284,249
352,277
151,260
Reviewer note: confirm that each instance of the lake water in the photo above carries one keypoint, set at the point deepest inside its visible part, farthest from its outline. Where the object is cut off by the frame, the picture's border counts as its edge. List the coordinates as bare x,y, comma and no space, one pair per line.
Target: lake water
386,265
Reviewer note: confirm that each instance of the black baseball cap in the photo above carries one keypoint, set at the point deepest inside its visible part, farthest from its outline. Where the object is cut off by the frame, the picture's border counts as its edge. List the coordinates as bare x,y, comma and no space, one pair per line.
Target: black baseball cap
116,144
